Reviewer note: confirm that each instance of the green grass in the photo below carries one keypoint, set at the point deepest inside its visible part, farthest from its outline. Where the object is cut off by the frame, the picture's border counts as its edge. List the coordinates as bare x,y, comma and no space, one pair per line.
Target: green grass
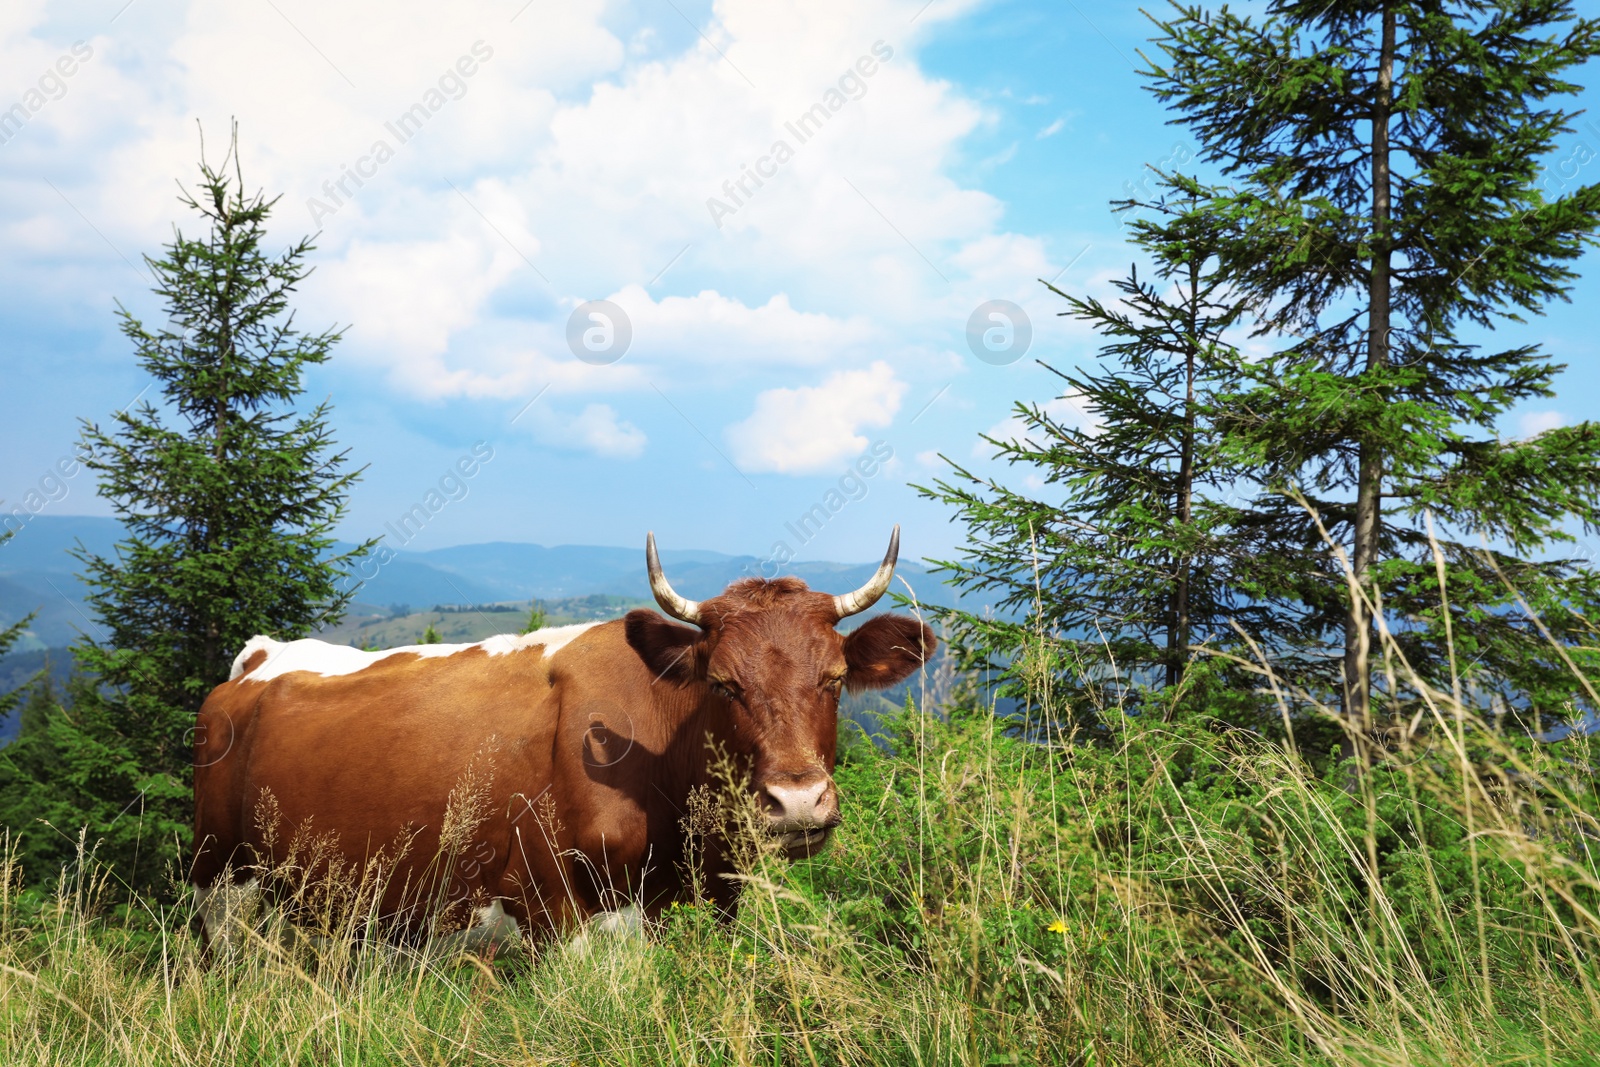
1175,893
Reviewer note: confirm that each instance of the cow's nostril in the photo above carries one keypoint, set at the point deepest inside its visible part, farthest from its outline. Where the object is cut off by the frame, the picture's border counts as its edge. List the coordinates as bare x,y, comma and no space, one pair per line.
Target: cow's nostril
827,810
807,806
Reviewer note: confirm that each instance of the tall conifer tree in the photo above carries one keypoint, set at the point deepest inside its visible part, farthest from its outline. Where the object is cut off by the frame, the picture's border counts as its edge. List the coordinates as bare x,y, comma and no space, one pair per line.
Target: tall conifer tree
1386,157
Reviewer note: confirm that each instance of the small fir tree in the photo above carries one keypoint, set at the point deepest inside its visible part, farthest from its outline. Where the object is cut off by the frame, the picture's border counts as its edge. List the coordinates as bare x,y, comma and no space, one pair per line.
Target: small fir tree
9,636
228,497
1124,564
48,777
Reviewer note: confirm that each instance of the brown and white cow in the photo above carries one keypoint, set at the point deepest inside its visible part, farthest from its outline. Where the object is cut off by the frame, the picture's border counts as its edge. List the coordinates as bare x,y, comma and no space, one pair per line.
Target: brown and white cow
581,747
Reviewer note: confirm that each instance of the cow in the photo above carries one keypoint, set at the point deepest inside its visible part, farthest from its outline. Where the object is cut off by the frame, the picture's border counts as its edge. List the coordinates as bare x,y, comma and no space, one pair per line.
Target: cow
538,781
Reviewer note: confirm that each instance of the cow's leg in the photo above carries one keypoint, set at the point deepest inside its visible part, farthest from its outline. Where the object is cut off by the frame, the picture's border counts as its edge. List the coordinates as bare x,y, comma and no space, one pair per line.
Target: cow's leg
623,926
493,928
200,925
539,885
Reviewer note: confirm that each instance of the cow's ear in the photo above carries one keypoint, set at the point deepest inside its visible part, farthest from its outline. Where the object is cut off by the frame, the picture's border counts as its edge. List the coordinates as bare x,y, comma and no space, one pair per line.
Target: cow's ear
884,650
666,648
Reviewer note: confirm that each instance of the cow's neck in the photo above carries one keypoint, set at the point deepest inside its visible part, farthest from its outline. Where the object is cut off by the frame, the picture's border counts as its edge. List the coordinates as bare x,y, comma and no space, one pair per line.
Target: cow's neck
702,735
692,784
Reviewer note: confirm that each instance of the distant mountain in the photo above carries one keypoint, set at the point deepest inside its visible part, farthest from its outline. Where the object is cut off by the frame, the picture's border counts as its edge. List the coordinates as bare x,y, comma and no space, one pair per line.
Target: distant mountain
505,570
508,571
42,544
21,668
38,575
453,624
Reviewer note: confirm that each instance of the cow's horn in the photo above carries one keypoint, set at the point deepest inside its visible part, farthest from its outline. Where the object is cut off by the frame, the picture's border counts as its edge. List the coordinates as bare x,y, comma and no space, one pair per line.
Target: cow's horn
863,598
671,602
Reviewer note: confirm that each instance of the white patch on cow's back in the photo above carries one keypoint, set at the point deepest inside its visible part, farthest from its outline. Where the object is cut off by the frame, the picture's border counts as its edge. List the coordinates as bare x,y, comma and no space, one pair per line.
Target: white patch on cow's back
328,660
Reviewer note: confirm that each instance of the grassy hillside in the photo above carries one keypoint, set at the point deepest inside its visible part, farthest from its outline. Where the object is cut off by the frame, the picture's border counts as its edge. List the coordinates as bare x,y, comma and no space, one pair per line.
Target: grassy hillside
1177,895
1170,893
366,626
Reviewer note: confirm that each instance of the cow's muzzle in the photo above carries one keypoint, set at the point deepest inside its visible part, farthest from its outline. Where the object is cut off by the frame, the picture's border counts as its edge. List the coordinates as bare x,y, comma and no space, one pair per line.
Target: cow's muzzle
801,844
801,815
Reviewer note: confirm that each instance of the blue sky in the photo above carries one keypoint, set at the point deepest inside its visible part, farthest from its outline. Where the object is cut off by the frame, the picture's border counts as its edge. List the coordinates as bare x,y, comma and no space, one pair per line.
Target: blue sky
569,153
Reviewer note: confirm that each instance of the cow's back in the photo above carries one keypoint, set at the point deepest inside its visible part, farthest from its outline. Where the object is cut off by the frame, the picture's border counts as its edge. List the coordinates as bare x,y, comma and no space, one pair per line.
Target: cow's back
362,758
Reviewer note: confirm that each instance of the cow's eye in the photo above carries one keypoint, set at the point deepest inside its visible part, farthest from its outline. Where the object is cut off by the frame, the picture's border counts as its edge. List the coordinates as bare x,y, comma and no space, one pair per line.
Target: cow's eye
724,688
835,684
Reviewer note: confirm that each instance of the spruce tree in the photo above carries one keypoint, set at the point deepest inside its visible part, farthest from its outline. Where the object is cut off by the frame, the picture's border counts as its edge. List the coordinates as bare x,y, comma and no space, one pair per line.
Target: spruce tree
40,801
9,636
227,496
1386,158
29,719
1123,558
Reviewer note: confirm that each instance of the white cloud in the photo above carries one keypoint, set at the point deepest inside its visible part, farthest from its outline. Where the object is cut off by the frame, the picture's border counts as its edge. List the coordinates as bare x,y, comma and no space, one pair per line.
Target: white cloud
813,429
403,311
1000,158
1050,130
1534,423
712,328
575,162
594,429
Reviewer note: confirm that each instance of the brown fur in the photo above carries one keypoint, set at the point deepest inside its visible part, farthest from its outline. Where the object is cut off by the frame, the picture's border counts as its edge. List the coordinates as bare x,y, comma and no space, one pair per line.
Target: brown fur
587,759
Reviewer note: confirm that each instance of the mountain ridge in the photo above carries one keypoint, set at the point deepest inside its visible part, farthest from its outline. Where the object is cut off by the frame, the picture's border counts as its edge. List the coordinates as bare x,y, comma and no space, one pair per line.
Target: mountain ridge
38,574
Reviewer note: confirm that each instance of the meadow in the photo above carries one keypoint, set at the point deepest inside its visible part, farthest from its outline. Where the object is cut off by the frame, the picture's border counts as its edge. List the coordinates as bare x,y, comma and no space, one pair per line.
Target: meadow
1164,892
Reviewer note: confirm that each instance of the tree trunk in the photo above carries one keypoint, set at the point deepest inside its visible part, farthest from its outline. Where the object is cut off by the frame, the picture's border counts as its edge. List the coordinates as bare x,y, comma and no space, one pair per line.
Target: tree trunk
1369,479
212,654
1178,635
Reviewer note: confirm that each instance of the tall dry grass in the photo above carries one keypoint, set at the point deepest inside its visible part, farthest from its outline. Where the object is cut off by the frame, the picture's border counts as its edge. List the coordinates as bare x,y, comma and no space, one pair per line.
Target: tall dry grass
1171,893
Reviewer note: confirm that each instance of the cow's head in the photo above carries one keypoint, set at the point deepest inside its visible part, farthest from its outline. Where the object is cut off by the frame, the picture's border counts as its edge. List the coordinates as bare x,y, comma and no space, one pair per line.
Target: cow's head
767,652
